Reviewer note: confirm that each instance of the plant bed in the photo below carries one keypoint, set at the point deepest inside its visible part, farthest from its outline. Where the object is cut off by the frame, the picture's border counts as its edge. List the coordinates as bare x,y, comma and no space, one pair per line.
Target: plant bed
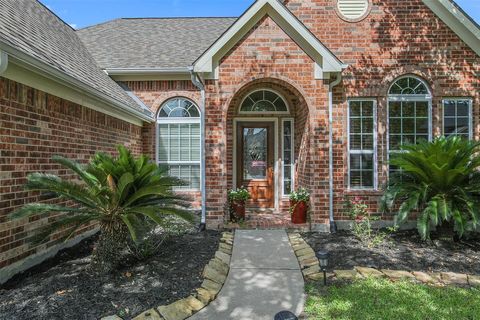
65,288
403,250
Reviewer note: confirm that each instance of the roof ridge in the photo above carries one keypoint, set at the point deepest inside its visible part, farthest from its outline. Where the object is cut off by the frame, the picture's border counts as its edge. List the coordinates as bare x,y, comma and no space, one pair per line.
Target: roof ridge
98,24
56,15
172,18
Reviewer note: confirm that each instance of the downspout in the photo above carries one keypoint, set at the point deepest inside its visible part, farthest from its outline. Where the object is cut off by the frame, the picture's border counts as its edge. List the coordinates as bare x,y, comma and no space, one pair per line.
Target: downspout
3,61
197,82
333,225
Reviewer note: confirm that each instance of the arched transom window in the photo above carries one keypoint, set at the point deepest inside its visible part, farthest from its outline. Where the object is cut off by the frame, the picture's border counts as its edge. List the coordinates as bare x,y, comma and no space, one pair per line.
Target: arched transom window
178,141
264,101
408,86
409,113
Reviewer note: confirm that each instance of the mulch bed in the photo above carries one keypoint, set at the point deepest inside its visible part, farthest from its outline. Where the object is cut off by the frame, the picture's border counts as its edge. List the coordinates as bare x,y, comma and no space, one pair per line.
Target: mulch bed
65,288
402,251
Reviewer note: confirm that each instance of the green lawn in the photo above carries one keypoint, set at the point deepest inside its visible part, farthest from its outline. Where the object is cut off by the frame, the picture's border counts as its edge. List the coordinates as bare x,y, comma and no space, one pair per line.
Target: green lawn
380,299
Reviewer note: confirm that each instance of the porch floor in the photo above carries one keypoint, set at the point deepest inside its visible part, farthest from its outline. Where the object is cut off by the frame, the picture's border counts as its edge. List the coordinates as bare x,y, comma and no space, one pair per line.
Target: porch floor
267,219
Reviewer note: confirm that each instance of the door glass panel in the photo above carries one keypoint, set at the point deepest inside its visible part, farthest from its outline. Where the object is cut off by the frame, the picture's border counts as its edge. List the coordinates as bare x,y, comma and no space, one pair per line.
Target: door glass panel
255,144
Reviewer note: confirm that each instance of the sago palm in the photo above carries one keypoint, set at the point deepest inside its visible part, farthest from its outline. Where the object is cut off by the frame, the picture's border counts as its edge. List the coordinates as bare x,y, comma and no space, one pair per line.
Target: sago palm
119,194
440,182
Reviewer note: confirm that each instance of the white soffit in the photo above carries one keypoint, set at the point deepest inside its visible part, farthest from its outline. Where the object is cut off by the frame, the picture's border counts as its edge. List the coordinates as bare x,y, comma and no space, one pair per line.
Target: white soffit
456,19
325,60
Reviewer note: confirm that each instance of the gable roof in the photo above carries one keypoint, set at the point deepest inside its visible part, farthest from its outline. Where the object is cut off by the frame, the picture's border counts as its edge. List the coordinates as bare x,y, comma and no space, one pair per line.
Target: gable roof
151,43
32,34
457,20
325,60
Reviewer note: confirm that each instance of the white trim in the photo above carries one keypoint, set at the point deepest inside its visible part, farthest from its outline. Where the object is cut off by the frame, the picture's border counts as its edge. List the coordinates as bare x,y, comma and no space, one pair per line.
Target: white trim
405,98
458,21
41,69
3,61
292,156
276,161
263,112
146,71
326,60
174,120
58,89
470,114
375,145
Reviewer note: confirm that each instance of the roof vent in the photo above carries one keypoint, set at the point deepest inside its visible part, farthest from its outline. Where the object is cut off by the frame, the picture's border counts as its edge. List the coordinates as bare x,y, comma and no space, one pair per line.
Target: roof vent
353,10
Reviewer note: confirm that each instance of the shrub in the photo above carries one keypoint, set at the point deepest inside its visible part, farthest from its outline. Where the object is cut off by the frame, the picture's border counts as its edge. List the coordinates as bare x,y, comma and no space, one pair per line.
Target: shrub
362,224
240,194
120,194
439,181
300,195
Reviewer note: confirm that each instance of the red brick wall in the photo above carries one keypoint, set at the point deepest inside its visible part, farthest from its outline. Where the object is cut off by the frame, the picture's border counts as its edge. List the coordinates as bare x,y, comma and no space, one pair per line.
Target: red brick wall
34,126
266,56
397,38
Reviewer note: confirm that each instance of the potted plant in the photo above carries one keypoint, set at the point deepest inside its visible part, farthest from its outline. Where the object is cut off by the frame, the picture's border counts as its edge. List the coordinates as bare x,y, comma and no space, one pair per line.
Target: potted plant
237,199
299,202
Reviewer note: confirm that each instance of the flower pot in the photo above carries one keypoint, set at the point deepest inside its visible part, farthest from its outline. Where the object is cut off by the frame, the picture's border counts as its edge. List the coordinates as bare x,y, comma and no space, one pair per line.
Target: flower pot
238,208
299,212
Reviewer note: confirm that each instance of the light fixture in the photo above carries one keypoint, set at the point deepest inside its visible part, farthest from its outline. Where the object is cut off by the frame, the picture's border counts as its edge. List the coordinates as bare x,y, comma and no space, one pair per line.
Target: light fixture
285,315
323,261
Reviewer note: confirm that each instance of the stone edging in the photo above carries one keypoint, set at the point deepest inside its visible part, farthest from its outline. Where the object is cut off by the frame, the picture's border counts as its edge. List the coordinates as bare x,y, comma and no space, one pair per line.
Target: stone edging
306,257
311,270
214,274
439,279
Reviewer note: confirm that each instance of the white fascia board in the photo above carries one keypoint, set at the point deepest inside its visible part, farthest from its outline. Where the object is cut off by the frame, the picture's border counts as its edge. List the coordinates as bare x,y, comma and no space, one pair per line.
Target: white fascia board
45,71
21,74
3,61
456,20
286,20
146,71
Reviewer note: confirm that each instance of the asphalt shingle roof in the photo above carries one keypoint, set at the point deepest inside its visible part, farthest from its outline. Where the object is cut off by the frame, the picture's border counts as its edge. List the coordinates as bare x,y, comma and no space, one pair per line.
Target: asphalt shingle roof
31,28
152,42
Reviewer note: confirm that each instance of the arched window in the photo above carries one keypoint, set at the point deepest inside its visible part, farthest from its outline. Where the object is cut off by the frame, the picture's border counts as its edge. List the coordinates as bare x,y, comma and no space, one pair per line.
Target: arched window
408,86
409,113
264,101
178,140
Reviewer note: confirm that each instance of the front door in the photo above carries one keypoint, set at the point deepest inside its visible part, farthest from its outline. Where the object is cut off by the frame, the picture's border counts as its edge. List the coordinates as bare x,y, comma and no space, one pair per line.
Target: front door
255,142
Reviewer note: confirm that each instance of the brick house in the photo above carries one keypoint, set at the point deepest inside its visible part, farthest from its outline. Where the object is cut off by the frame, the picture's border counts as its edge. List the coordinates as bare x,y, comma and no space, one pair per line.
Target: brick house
311,93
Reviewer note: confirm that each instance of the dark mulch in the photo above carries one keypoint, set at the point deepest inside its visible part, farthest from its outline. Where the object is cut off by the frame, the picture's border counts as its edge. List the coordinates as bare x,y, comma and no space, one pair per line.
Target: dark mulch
65,288
402,251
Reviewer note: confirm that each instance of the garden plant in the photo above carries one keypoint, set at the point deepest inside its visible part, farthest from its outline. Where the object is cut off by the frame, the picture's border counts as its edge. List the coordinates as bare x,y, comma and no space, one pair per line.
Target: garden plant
439,183
237,199
121,194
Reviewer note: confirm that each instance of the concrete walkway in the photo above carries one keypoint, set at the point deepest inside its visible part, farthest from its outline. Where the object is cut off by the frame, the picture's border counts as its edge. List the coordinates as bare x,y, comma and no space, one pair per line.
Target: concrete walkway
264,279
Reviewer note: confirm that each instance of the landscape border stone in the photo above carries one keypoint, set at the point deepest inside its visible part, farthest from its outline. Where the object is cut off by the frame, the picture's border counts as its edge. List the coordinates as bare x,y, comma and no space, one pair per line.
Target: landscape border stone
310,268
215,274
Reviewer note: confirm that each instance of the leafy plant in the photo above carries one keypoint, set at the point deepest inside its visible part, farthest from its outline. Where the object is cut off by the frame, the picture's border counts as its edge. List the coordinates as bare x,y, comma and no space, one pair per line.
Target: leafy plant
439,181
239,194
362,224
300,195
120,194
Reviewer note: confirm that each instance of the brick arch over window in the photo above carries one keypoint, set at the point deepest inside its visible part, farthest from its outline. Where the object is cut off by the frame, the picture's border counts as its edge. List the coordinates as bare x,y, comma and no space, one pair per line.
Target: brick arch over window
298,110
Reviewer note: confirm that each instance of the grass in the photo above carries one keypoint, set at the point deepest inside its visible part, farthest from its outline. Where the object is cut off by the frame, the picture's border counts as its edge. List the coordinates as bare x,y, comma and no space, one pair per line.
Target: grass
379,299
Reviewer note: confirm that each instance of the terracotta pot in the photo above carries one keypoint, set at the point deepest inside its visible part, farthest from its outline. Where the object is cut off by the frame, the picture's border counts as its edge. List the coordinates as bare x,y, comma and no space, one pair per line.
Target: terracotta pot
239,209
299,213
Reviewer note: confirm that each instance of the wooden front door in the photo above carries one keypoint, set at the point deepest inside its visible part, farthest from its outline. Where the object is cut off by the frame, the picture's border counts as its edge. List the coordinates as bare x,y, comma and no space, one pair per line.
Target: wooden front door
255,143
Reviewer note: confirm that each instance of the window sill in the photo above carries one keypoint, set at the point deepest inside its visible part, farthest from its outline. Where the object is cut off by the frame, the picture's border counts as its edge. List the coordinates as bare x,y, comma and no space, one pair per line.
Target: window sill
363,192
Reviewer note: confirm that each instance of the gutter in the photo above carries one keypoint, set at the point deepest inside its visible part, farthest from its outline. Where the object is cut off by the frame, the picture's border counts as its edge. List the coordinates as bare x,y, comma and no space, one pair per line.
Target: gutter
3,62
197,81
58,76
146,71
333,225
